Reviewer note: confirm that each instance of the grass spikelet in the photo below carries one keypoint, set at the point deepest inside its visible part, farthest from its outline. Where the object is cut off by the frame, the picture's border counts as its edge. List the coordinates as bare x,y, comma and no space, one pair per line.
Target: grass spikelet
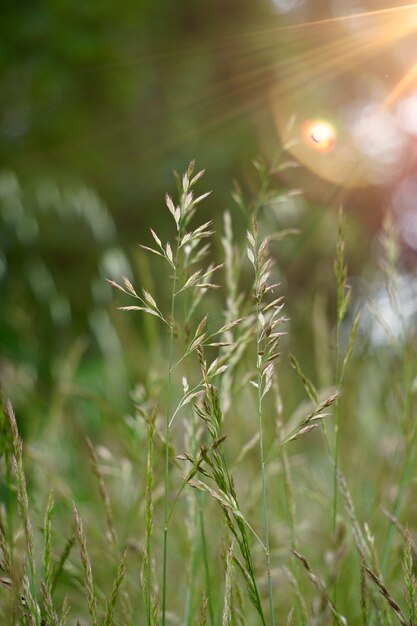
364,593
6,450
409,581
358,535
319,584
202,619
6,561
46,585
22,495
62,560
65,612
95,468
29,586
376,568
227,602
51,617
28,606
111,603
47,555
343,299
388,597
86,563
402,530
300,598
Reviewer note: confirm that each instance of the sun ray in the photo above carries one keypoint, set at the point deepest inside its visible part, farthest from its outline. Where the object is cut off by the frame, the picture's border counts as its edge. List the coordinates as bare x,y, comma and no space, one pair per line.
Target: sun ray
256,87
229,43
339,19
327,60
401,87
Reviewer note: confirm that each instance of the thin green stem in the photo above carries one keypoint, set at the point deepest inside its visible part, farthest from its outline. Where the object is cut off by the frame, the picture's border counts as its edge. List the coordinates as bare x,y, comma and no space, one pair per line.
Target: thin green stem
200,500
189,599
289,497
167,437
336,445
148,548
336,429
262,459
9,486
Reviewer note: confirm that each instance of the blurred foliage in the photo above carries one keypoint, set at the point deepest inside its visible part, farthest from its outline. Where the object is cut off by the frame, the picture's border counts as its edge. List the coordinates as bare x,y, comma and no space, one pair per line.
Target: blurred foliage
100,98
112,96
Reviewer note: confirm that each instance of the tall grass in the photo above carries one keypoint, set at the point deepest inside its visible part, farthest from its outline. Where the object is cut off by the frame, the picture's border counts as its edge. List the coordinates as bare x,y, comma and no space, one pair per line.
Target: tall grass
224,499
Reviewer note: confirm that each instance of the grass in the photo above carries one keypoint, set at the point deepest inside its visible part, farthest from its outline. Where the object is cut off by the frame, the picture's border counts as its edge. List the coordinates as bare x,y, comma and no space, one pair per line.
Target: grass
241,490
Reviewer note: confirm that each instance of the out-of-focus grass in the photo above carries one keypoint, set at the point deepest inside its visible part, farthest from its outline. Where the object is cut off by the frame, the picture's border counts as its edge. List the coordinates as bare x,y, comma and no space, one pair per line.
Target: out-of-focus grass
218,496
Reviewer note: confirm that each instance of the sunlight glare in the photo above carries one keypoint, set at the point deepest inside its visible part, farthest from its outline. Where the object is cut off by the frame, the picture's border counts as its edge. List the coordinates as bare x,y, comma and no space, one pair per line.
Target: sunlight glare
404,204
320,135
285,6
407,111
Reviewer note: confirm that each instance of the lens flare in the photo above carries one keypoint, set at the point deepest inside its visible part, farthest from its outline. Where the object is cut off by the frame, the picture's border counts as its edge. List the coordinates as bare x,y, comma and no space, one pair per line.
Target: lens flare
319,135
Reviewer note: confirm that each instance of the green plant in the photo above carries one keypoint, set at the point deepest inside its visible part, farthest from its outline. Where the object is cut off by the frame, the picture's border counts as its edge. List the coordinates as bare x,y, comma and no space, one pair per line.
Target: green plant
226,475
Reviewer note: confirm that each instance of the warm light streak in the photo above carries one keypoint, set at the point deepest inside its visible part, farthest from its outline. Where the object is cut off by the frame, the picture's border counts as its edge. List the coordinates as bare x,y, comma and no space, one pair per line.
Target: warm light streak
401,87
350,17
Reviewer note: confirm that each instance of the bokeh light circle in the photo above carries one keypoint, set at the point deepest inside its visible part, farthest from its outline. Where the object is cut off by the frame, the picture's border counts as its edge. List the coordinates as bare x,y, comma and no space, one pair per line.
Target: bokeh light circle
319,135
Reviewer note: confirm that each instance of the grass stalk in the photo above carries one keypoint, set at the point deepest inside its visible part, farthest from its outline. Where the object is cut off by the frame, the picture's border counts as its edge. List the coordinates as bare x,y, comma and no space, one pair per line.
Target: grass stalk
111,602
209,593
167,439
199,544
189,599
266,352
9,487
147,565
86,563
262,461
343,297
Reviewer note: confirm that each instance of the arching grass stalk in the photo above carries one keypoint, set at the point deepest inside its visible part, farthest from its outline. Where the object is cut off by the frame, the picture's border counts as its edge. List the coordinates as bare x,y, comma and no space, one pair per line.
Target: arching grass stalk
343,299
267,340
29,584
262,457
6,450
196,510
167,434
187,251
182,215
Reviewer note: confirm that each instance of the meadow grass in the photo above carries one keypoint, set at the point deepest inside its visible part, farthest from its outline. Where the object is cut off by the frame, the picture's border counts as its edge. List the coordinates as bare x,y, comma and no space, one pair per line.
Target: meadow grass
242,489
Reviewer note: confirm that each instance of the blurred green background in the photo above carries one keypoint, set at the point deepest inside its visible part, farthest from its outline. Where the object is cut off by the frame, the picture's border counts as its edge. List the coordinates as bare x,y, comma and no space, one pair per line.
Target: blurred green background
98,104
